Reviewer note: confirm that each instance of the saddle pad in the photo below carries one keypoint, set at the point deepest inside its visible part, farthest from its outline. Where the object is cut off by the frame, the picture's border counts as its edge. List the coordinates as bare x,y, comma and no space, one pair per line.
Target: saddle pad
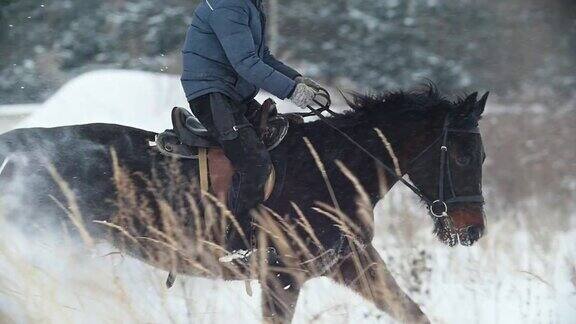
216,172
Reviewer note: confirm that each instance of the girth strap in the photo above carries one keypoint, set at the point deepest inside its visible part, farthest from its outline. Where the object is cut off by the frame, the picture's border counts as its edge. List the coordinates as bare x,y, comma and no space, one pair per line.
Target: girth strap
203,168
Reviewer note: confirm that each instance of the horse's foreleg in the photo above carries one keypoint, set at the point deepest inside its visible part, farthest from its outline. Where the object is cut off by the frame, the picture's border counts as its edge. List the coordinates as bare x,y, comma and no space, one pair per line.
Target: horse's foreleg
366,273
279,297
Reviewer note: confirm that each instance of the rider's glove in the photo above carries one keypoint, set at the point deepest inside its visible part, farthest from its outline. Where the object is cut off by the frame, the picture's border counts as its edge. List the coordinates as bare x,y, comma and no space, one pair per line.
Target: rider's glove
303,95
307,81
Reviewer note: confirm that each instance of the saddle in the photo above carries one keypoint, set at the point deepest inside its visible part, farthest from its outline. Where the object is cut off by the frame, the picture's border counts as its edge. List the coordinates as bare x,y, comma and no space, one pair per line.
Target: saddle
189,139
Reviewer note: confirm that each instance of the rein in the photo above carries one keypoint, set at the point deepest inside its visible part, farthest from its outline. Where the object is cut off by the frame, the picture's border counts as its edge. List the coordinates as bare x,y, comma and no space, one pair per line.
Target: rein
439,207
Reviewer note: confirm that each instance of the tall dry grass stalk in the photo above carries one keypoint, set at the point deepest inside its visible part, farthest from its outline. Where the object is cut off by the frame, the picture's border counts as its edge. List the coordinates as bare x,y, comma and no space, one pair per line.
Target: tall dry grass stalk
390,150
322,170
73,211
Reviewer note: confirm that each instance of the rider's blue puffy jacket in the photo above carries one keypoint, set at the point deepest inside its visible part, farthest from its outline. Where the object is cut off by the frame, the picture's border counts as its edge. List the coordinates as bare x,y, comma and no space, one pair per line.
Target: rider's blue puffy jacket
225,51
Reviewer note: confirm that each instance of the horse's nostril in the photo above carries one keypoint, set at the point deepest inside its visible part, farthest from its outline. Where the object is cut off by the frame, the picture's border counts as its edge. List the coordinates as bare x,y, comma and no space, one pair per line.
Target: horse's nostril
474,233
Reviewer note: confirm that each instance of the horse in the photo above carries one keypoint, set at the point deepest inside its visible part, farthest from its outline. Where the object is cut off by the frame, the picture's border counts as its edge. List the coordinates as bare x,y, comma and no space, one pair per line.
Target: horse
109,182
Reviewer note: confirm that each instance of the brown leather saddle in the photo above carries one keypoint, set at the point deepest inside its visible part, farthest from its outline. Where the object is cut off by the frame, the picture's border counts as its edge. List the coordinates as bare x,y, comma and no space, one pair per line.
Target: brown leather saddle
189,139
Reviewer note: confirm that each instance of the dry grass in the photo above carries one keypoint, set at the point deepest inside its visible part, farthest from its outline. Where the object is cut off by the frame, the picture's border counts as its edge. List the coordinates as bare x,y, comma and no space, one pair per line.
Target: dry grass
177,227
46,279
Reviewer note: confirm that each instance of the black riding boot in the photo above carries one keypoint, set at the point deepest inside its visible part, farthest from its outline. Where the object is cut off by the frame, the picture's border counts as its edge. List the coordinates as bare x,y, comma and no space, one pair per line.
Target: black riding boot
226,120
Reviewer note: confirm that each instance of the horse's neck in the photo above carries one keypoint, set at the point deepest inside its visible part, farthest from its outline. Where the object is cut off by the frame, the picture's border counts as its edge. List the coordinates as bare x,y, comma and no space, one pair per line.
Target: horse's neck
332,147
309,186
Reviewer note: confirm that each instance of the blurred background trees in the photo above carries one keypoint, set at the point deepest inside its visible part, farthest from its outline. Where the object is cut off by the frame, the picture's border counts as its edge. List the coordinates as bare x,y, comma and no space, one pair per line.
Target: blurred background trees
43,44
520,49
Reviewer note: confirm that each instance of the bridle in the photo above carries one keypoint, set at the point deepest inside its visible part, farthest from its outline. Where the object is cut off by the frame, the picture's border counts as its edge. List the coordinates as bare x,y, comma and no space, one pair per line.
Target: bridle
437,207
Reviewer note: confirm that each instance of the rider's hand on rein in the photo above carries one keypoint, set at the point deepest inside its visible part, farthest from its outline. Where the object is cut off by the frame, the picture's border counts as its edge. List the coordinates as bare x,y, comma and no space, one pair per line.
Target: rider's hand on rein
303,95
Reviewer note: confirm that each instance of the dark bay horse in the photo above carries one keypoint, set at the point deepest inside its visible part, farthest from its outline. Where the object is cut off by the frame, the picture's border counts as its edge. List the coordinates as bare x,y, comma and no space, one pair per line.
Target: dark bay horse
109,183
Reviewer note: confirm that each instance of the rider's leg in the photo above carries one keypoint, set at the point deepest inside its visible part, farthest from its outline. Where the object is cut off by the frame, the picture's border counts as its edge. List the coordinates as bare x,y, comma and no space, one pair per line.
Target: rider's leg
253,165
219,114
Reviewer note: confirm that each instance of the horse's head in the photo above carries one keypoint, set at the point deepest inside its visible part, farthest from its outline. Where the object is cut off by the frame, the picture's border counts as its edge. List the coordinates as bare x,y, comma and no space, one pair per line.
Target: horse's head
438,144
449,172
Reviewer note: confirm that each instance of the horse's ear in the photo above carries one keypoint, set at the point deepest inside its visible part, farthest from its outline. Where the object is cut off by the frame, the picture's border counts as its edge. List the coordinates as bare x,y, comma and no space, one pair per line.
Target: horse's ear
480,105
468,105
471,99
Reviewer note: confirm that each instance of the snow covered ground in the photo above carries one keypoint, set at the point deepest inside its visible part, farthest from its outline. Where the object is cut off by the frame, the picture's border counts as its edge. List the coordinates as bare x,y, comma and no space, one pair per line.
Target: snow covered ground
11,115
523,271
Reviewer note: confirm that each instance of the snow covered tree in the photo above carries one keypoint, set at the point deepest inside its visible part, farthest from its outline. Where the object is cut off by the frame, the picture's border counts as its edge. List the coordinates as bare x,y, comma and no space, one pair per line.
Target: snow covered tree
44,44
518,48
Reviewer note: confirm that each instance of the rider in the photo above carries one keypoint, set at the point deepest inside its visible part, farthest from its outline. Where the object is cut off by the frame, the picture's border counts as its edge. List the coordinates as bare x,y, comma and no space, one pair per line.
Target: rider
226,62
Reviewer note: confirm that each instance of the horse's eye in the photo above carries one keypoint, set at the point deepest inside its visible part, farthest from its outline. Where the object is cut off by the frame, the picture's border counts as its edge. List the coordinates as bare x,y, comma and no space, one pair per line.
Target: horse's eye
463,160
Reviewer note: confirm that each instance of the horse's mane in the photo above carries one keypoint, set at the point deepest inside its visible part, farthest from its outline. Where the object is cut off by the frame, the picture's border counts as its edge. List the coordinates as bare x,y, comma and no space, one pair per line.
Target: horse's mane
396,107
393,103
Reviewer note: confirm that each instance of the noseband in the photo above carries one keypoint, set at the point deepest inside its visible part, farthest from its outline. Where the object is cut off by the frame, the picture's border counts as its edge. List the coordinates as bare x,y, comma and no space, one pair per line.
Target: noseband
439,207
